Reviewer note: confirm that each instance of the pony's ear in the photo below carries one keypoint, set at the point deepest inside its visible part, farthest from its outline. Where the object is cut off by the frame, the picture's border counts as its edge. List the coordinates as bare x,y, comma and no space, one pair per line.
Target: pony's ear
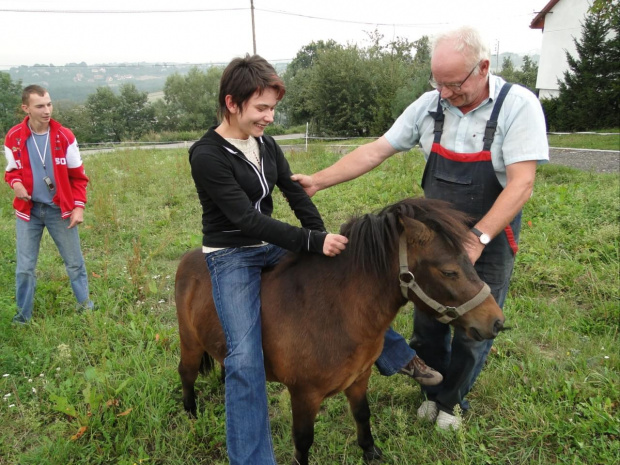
416,231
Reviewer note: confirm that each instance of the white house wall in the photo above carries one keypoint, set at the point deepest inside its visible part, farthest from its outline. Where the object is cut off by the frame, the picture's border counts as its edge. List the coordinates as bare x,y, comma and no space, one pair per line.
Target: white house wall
562,25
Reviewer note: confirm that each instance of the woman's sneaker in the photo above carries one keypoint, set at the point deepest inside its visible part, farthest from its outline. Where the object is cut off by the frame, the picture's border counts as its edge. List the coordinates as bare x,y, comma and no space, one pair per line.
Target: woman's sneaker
423,374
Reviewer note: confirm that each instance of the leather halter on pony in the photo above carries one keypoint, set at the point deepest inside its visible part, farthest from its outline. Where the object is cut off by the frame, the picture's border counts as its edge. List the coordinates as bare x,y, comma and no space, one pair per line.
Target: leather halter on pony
407,281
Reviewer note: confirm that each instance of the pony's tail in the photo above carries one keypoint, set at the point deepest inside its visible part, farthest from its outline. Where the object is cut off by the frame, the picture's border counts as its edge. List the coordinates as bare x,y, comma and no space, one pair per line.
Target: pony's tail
207,364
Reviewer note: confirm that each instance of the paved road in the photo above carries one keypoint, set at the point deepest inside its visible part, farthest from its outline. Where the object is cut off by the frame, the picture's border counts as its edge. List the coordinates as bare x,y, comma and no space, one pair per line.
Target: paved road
599,161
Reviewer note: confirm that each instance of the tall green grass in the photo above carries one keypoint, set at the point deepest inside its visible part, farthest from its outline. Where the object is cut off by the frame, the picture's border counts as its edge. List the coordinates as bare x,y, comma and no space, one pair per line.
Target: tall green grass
102,387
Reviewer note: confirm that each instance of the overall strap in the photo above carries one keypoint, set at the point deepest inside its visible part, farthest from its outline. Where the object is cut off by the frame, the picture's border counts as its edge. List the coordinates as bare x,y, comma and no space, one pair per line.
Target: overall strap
439,117
489,133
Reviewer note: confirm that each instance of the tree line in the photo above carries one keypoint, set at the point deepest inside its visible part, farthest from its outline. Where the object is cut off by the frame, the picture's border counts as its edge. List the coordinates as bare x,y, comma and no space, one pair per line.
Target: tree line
341,90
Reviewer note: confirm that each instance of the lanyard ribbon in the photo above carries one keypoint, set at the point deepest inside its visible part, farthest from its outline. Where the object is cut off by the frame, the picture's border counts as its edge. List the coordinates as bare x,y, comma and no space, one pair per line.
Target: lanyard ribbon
47,140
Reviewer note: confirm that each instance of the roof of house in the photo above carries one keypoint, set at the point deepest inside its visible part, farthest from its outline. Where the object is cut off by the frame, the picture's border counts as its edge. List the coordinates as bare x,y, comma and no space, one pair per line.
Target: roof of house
539,20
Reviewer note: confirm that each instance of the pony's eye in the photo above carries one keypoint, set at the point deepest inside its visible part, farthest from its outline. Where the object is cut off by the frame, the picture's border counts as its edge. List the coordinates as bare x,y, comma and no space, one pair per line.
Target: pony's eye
449,273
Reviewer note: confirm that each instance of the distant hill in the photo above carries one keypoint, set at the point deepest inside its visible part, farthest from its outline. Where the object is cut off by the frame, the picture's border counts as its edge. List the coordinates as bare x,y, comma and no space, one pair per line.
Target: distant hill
76,81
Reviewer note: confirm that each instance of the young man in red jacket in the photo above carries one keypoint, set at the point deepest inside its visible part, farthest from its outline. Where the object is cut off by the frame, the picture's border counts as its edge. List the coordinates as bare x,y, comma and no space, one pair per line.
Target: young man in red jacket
44,169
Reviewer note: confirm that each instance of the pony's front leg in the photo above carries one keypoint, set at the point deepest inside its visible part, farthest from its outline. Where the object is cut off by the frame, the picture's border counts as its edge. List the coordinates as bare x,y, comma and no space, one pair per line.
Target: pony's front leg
305,406
356,394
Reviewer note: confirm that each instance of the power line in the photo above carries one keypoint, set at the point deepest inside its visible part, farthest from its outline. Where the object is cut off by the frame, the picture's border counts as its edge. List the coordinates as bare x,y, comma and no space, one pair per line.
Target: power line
367,23
22,10
202,10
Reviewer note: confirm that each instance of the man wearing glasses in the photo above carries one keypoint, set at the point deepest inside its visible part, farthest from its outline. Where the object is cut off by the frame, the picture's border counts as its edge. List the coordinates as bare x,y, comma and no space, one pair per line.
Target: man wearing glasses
482,140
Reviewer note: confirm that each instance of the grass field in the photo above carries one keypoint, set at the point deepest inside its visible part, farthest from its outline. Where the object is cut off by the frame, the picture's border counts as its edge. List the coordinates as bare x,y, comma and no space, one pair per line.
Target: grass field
102,387
608,141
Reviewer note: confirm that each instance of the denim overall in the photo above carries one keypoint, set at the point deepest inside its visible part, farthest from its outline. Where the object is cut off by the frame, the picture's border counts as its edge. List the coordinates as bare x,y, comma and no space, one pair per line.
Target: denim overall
468,181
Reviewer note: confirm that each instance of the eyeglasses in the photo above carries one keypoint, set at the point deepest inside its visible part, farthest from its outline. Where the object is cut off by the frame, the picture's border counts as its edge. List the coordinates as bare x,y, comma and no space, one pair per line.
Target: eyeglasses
454,87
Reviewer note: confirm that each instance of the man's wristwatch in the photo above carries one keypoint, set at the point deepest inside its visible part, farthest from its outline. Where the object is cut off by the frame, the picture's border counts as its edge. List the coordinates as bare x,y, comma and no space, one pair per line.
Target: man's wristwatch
482,237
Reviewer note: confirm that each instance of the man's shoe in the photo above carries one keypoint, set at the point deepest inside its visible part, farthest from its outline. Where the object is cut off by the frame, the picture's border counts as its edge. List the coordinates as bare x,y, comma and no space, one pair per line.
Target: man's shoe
86,306
446,421
428,411
423,374
19,320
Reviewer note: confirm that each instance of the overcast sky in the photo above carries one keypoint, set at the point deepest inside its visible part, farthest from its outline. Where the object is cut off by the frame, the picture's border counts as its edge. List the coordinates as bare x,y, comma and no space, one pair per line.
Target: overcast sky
207,31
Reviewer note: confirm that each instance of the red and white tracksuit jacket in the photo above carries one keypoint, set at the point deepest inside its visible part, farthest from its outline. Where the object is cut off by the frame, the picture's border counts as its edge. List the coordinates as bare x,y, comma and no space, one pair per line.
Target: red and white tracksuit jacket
71,180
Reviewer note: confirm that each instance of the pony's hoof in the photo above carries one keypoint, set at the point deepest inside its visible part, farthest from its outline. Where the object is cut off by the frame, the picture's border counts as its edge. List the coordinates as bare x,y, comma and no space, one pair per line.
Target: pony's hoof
297,461
192,412
373,456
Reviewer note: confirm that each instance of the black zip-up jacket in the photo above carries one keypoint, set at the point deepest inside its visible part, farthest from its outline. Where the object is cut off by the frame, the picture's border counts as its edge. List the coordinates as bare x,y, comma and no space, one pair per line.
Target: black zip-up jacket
236,197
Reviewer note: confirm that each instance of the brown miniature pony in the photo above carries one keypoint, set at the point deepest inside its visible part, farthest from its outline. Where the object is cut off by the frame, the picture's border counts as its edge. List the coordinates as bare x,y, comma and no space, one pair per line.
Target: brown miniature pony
323,319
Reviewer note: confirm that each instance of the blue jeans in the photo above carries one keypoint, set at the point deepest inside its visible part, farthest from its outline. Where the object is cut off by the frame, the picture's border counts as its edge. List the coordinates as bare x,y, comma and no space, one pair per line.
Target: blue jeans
457,357
396,353
236,279
29,235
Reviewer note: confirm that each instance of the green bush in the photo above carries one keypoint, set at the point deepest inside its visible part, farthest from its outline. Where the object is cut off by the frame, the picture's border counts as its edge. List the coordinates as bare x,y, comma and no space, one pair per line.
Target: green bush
550,108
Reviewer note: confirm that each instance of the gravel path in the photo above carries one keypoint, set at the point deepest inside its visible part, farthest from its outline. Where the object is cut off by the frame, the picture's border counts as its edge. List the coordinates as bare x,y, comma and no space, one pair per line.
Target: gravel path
599,161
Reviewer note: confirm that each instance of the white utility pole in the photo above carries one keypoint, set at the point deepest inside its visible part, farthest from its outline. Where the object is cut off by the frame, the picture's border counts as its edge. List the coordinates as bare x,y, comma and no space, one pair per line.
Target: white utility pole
253,31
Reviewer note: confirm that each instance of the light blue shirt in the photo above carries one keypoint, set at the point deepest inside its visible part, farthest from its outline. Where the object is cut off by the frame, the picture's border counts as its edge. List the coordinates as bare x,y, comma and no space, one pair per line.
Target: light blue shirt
520,136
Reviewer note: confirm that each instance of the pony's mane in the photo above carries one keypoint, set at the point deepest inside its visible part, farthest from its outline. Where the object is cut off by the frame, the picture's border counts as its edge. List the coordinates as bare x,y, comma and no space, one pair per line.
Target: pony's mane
373,238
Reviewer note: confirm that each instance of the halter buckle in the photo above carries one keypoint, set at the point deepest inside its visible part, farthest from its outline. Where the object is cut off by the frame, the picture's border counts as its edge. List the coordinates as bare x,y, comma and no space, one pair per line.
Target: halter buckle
405,282
452,312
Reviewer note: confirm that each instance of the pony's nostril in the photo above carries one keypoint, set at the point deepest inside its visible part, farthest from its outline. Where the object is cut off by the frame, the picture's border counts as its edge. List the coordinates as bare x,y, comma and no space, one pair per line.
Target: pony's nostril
497,327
